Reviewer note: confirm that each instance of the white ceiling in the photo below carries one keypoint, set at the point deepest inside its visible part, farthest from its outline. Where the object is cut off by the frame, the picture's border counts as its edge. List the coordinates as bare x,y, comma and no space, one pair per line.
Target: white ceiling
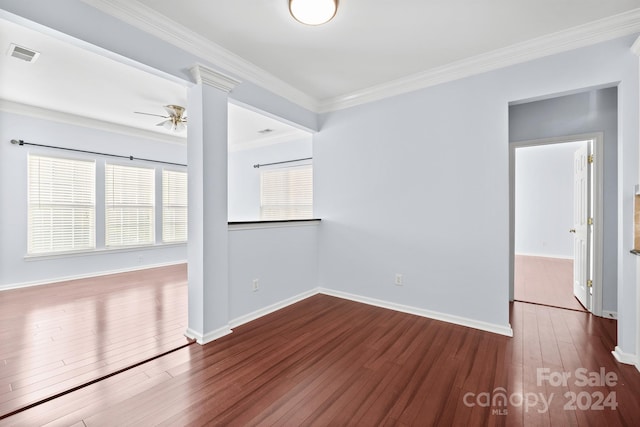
73,80
371,46
370,43
84,87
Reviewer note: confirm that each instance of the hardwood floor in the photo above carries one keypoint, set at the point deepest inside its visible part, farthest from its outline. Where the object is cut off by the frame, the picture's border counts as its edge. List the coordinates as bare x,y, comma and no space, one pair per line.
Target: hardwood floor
59,336
328,361
547,281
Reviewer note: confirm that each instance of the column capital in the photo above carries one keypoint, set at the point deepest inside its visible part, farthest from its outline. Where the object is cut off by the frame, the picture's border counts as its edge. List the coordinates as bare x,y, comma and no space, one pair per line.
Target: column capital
205,75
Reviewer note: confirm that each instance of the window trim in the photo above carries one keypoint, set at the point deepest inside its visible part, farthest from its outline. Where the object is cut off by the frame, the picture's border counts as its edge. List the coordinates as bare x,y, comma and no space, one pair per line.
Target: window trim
99,251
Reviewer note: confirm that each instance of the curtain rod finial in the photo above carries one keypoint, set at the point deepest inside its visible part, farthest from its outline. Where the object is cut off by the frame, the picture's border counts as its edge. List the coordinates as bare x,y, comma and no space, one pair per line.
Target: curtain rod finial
17,141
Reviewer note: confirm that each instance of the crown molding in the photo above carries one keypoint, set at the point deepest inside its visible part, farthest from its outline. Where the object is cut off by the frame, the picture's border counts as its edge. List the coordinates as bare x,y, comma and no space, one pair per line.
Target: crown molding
205,75
152,22
76,120
573,38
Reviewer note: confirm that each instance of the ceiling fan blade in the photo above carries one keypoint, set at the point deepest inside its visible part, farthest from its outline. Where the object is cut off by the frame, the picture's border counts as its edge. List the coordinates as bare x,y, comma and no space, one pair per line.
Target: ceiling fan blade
149,114
175,121
169,125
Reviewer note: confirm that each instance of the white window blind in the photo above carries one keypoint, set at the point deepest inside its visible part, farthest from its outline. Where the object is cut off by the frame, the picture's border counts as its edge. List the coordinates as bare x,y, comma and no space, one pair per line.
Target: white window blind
286,193
129,205
61,205
174,206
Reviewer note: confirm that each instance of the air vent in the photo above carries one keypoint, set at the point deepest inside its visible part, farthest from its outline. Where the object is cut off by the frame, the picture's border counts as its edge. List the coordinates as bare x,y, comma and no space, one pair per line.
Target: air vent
23,53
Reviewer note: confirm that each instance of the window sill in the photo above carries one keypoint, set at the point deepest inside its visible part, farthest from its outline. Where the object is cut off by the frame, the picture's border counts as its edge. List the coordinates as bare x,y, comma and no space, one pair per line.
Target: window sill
253,225
101,251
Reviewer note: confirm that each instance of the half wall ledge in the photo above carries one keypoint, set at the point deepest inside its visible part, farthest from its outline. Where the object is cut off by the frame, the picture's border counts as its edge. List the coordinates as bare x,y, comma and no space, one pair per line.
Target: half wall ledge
248,225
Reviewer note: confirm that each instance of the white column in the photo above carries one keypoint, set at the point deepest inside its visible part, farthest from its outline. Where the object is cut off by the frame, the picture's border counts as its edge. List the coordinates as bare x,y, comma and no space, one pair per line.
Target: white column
208,267
628,346
636,50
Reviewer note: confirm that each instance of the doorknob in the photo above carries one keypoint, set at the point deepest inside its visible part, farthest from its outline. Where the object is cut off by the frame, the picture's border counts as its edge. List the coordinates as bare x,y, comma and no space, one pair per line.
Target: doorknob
573,230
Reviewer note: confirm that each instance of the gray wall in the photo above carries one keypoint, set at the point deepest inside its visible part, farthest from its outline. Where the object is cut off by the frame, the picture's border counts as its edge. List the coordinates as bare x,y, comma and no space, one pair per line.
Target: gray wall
418,184
244,179
283,259
544,200
592,111
15,268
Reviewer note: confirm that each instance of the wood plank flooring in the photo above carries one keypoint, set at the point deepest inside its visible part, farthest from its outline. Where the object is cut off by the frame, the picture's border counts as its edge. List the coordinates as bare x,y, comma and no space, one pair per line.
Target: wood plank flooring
543,280
56,337
327,361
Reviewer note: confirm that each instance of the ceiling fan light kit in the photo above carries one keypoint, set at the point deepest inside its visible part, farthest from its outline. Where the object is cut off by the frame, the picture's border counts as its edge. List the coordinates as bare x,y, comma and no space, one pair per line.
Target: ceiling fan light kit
313,12
173,125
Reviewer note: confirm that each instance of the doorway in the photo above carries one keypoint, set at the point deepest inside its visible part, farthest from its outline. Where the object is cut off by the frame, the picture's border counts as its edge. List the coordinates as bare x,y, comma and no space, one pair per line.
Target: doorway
551,263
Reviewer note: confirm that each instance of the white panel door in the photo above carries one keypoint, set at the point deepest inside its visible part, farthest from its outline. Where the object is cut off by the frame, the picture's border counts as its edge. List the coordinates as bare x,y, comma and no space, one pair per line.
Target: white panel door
581,228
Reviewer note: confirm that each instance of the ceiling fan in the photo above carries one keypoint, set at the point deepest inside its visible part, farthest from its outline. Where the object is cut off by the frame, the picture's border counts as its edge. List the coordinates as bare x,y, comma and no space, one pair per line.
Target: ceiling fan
176,121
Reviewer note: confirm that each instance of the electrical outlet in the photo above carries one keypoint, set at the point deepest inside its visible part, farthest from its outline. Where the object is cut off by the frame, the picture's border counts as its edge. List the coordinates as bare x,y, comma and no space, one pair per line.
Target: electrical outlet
398,281
256,285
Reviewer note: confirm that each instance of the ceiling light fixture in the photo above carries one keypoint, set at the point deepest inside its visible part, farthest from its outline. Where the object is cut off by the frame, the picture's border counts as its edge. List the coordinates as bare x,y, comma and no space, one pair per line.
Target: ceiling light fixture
313,12
176,120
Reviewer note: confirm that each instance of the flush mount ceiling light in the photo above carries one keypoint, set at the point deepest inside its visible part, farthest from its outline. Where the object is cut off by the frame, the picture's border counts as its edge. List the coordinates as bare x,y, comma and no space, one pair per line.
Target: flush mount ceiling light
313,12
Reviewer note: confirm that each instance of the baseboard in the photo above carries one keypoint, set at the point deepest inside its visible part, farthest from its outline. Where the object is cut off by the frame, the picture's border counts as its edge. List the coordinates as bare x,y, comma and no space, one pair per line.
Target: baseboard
209,336
463,321
609,314
226,330
271,308
88,275
622,357
483,326
545,256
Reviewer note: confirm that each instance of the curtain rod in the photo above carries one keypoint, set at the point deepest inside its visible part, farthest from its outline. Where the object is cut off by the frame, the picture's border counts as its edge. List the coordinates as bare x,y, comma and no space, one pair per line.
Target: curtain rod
21,142
279,163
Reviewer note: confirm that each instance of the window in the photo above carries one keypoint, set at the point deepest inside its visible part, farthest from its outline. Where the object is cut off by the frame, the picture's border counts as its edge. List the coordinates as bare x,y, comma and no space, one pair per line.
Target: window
129,205
286,193
174,206
61,205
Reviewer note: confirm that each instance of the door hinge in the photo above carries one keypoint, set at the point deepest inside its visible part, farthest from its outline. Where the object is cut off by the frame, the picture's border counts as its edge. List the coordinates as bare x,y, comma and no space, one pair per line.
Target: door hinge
589,283
590,221
590,159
